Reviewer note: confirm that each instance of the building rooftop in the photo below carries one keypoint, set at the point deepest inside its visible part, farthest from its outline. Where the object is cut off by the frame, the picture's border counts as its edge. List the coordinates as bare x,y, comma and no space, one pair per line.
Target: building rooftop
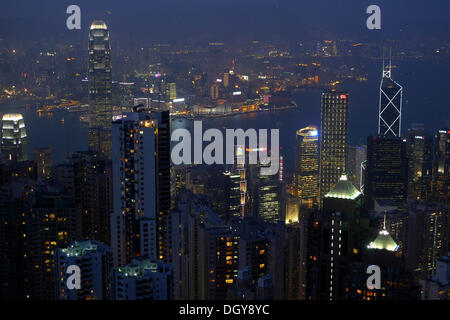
344,189
384,240
138,268
98,24
12,117
79,248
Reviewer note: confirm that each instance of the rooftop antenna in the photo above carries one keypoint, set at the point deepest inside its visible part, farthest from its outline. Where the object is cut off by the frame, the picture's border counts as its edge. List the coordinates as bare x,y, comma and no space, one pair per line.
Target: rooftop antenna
390,59
387,73
384,221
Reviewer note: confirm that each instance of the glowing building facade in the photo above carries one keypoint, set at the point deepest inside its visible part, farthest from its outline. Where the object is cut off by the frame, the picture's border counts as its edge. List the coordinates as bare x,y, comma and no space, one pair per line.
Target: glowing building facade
307,166
141,186
333,139
14,137
390,106
100,97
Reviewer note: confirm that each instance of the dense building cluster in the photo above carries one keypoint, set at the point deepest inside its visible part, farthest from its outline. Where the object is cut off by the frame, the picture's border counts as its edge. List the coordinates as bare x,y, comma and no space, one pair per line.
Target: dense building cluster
139,227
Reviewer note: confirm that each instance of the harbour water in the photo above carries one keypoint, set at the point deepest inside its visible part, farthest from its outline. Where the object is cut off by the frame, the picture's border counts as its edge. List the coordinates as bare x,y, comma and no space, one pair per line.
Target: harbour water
425,100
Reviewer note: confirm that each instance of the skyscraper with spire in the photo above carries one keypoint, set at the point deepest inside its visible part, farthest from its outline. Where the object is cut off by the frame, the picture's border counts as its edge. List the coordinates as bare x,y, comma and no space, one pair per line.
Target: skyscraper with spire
390,105
100,97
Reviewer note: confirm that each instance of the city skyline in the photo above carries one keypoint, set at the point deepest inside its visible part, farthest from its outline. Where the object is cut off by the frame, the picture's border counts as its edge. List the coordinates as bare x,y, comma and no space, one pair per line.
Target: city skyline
112,179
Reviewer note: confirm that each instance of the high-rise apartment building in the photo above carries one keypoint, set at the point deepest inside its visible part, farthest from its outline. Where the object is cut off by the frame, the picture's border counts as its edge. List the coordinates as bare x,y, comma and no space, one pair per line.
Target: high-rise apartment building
141,183
87,177
95,262
50,223
143,279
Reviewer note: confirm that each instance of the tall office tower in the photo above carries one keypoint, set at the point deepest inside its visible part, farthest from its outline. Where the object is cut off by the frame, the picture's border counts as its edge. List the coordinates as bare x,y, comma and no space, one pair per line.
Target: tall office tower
95,262
141,183
419,153
390,106
344,237
307,166
100,96
333,139
214,66
234,194
335,240
90,183
268,196
355,157
143,279
437,287
386,170
50,223
14,137
441,167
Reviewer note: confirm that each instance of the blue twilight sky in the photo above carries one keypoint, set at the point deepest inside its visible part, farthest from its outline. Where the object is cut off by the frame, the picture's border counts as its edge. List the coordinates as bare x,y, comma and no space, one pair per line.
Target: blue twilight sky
230,19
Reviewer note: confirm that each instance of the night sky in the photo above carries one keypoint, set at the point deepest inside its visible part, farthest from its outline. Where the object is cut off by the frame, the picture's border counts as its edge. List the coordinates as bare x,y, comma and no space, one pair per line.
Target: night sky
231,19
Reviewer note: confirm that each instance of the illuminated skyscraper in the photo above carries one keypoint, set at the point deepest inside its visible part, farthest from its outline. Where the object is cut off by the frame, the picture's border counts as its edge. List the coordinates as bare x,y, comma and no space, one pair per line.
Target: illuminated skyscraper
238,205
390,106
100,98
141,186
14,137
266,195
307,166
333,139
340,228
